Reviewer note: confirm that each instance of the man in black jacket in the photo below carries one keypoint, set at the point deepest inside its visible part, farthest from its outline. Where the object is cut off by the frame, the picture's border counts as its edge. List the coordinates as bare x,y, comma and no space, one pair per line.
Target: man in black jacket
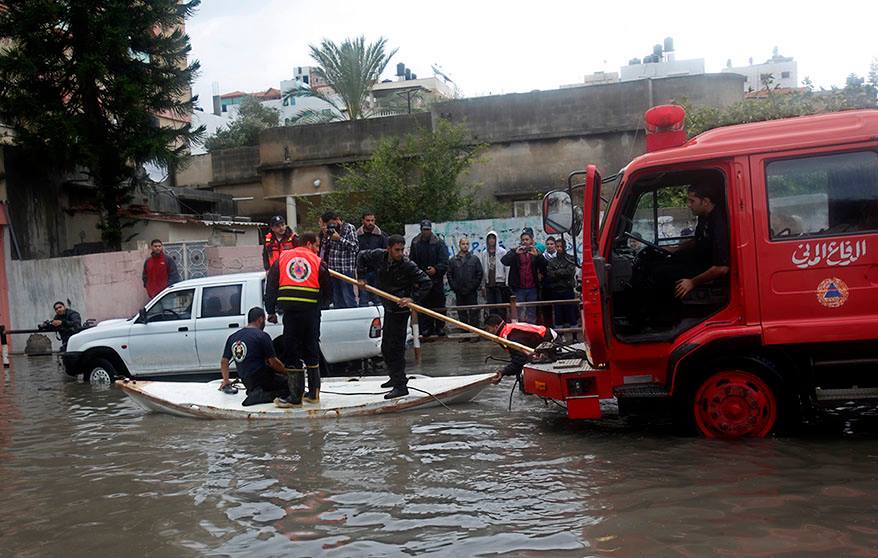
465,277
67,322
399,276
430,254
370,237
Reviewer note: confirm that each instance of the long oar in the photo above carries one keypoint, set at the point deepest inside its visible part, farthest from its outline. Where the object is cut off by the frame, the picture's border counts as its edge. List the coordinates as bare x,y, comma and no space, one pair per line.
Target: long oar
420,309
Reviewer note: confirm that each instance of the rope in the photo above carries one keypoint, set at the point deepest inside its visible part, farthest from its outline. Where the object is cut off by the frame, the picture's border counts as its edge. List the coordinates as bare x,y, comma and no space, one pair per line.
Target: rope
385,392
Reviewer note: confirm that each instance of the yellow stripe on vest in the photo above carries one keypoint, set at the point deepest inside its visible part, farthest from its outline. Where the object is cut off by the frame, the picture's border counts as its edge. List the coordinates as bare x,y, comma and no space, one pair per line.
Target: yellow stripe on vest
296,299
294,288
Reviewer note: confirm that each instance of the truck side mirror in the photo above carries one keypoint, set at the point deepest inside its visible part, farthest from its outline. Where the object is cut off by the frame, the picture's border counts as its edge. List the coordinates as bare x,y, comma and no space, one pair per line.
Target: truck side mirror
557,212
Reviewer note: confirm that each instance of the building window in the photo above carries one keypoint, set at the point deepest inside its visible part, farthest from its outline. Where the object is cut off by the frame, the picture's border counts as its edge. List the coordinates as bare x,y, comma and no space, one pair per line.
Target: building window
785,75
827,195
526,208
305,79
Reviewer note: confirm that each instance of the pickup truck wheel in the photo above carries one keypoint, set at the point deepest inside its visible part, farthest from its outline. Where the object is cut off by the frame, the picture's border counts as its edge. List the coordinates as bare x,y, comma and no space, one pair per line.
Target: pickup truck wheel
734,403
100,372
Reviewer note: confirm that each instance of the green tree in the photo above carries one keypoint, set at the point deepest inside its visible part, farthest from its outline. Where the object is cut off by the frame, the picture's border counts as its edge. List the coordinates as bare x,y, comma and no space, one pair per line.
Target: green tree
413,178
351,69
253,117
82,84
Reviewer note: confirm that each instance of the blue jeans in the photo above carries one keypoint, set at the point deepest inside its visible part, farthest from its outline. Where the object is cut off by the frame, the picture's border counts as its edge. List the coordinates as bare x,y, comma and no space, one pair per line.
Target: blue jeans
343,294
365,296
527,314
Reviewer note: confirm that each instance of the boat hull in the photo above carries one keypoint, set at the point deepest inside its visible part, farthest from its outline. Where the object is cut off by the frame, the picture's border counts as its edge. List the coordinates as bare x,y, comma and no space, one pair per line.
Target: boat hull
339,397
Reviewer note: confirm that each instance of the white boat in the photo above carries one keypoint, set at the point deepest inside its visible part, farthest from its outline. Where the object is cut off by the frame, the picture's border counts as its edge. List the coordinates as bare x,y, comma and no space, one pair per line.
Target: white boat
339,397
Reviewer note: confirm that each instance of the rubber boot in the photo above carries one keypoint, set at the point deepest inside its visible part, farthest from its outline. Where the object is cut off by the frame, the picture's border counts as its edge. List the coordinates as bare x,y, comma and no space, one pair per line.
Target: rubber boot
313,395
296,381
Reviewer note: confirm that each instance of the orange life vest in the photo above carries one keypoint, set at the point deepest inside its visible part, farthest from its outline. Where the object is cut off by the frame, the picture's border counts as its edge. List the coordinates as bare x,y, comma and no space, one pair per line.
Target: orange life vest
530,328
275,249
299,276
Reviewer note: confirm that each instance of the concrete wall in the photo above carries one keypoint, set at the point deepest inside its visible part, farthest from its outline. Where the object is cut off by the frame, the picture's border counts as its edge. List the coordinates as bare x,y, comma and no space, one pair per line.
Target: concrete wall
534,139
99,286
337,142
197,173
235,165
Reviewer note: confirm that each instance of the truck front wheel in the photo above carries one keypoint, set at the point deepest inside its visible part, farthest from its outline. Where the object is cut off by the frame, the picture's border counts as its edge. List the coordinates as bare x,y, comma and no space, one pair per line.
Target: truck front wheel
100,372
733,403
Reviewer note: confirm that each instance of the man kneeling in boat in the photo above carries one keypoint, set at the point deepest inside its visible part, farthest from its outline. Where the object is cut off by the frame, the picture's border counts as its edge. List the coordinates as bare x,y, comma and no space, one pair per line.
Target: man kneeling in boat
255,361
399,276
526,334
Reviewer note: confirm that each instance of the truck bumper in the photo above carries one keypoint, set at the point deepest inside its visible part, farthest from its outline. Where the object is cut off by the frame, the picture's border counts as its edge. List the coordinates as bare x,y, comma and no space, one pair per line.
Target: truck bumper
71,360
580,390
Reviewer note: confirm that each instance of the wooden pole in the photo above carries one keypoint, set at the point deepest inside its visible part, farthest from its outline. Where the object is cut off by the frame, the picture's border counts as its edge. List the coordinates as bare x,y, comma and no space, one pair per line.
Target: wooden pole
420,309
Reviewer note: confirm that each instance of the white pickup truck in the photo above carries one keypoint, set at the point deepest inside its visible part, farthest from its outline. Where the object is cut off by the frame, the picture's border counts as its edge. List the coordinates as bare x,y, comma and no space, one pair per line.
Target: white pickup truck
184,328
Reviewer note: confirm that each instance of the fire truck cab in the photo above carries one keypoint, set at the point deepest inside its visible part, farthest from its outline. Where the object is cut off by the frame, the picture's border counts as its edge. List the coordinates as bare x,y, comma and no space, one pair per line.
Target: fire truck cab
778,310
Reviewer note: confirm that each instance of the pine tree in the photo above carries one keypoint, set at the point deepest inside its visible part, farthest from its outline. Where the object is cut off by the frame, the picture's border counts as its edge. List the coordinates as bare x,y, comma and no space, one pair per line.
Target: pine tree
82,83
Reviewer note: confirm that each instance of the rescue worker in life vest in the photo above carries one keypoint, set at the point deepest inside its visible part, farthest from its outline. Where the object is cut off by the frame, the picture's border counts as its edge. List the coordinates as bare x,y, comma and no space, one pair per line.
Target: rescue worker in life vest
278,239
529,335
397,275
296,282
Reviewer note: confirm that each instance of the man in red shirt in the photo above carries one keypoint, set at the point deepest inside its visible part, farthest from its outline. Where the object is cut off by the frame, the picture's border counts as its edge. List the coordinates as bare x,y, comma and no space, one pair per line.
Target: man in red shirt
159,270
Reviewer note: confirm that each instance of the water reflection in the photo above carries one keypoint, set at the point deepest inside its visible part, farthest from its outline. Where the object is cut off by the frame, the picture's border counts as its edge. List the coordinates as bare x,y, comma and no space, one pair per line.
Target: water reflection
86,473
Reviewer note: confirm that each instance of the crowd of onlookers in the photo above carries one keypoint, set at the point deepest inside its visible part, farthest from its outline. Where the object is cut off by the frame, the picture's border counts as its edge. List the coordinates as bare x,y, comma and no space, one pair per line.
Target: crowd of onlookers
494,274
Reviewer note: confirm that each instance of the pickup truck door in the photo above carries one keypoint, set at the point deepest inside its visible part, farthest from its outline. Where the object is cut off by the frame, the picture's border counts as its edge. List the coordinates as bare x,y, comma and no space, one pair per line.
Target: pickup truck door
219,315
164,343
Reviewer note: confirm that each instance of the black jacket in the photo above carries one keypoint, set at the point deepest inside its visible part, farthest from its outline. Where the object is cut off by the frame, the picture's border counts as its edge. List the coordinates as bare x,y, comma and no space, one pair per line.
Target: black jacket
560,273
402,278
538,268
432,253
371,240
71,323
465,273
272,286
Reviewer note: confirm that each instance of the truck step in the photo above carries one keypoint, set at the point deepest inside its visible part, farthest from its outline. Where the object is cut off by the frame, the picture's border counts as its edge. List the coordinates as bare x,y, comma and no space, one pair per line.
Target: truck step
641,390
846,394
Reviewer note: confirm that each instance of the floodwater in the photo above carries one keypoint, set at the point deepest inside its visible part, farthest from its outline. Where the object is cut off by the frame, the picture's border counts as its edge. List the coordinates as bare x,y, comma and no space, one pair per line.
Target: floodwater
84,472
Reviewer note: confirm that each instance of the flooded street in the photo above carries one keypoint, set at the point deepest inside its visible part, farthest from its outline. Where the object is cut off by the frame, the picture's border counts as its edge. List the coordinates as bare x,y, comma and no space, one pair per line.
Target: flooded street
86,473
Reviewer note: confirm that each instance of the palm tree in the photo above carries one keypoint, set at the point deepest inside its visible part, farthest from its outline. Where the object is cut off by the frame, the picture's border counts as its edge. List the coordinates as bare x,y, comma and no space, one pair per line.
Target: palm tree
351,69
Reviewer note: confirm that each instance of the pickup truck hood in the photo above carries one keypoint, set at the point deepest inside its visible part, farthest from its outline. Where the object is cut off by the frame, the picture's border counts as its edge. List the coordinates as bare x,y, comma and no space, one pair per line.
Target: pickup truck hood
115,321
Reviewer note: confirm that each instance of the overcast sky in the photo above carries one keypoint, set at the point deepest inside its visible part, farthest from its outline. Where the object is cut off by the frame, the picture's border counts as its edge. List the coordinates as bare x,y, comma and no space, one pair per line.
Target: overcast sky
490,47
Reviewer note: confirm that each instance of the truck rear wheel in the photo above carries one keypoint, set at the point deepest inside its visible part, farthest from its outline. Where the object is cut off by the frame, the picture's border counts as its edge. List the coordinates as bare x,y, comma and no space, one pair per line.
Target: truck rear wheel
734,403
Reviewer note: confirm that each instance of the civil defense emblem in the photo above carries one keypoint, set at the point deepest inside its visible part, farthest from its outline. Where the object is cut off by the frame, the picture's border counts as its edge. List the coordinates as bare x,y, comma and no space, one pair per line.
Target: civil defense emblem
832,292
239,351
299,269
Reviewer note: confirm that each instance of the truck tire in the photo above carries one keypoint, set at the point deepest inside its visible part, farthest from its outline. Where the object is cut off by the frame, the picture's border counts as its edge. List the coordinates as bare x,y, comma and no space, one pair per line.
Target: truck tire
100,372
736,399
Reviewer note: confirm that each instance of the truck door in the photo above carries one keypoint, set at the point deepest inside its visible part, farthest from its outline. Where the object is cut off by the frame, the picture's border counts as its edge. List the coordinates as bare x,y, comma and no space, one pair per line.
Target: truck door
594,295
165,342
220,315
817,241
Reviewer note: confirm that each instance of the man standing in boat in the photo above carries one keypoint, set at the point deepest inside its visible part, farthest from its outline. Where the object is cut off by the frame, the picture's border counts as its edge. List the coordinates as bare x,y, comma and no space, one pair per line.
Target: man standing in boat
399,276
251,350
295,282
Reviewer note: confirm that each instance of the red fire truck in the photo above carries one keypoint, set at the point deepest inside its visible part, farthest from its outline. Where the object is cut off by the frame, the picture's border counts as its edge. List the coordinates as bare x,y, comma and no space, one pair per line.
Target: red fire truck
788,324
